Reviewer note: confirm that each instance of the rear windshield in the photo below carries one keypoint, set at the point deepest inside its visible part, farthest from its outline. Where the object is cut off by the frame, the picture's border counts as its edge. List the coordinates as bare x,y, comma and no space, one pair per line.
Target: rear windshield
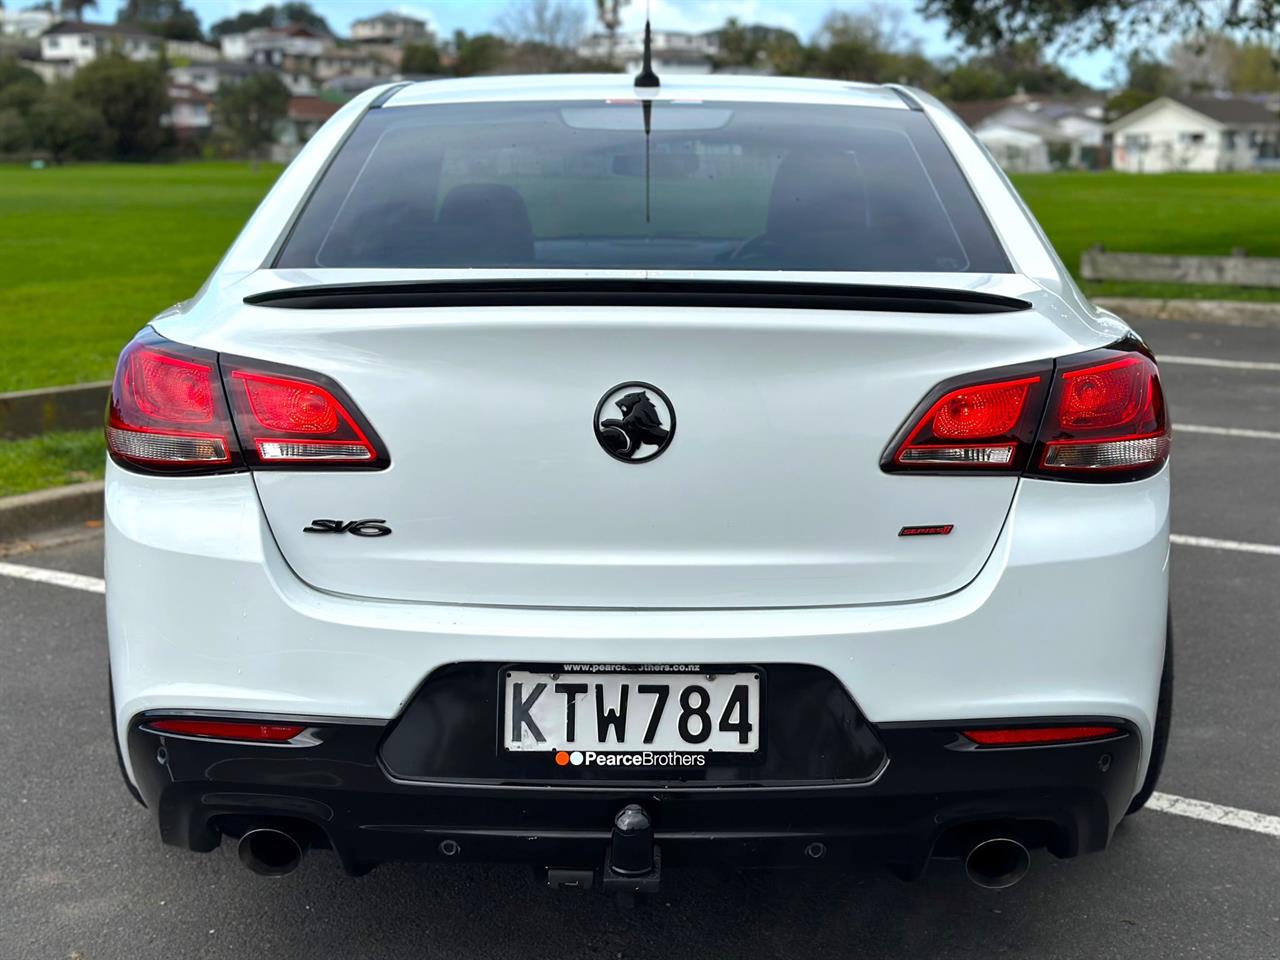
631,185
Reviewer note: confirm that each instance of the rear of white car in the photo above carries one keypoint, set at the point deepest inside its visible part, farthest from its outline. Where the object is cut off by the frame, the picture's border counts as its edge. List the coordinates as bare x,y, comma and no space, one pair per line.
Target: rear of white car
603,478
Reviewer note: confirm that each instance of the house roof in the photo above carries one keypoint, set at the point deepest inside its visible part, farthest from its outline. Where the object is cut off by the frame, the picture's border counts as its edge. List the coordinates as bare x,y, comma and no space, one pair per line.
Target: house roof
1230,109
391,17
104,29
311,108
973,112
1225,111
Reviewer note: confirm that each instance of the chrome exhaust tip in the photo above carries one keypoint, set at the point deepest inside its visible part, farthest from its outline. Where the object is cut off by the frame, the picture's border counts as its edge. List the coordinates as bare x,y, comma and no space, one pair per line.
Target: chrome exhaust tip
997,863
269,852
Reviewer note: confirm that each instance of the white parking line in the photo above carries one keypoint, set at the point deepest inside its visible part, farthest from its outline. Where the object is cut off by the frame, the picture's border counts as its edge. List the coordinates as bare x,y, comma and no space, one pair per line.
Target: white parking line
1215,813
1238,545
1226,431
56,577
1227,364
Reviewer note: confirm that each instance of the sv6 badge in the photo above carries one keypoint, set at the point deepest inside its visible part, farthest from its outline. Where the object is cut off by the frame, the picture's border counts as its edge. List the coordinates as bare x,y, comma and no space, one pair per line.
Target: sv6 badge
360,528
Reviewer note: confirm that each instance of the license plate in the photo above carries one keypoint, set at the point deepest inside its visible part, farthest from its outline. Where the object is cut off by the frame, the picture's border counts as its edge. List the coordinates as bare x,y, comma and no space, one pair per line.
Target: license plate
626,711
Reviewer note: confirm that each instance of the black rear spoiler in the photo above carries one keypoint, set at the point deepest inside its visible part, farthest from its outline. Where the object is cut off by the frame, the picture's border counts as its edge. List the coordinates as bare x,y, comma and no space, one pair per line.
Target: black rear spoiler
646,293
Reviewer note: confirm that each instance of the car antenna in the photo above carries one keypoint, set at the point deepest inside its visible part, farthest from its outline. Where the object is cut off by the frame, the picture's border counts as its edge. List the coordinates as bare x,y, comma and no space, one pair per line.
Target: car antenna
646,77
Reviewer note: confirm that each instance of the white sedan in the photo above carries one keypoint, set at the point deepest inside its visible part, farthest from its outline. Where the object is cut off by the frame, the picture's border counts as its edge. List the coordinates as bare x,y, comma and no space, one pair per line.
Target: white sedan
608,476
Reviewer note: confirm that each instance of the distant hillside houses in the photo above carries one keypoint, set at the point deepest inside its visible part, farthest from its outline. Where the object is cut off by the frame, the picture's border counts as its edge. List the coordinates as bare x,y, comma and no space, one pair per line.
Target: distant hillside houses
319,71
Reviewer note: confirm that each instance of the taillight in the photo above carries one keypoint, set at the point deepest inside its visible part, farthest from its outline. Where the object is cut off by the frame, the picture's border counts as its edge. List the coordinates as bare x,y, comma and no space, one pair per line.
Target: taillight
167,411
180,409
1106,419
985,422
290,418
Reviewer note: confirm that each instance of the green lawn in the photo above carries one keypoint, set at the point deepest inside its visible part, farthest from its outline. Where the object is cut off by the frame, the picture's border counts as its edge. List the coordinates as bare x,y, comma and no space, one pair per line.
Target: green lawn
89,254
50,460
1189,213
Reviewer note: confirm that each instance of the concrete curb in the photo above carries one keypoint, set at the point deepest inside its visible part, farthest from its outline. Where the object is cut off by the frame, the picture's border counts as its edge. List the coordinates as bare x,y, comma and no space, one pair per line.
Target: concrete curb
1230,313
27,413
29,514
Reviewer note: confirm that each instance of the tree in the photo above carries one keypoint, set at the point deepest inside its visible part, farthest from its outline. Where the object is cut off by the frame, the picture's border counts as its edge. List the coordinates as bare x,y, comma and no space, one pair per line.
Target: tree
1256,69
421,57
869,46
15,132
76,8
271,16
1093,24
546,32
609,13
131,97
251,110
164,18
68,128
483,53
757,45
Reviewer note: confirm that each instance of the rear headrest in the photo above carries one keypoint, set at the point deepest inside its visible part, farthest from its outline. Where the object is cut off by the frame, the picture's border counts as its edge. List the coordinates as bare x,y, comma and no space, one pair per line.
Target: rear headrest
816,192
485,224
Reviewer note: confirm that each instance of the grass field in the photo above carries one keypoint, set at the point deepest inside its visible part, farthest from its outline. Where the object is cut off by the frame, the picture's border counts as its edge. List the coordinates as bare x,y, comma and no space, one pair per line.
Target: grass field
88,254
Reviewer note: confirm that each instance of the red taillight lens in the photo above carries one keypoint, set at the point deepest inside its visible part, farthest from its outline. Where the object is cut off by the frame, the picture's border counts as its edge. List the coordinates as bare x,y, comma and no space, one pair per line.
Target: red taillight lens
167,412
229,729
288,418
1025,736
180,409
1106,419
987,424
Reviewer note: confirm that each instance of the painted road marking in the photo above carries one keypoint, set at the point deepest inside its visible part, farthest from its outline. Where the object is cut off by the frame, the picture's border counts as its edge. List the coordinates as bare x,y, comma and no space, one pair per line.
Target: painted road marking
1215,813
1238,545
1163,802
1226,431
56,577
1226,364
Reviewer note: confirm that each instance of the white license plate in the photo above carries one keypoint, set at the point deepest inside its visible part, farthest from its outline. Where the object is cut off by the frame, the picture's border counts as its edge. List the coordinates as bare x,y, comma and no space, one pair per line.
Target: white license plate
682,712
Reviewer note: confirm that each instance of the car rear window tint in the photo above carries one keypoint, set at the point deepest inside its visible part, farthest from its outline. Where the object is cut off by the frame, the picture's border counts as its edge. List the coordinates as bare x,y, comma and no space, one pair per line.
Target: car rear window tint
626,185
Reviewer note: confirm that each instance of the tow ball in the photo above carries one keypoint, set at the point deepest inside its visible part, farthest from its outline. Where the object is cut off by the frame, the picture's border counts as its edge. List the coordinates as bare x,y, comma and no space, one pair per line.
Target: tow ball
632,863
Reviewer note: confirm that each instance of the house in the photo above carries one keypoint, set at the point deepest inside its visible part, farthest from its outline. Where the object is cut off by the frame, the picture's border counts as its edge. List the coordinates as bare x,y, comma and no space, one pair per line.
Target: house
209,77
1196,134
270,45
191,51
25,24
390,27
190,113
305,116
339,62
70,45
673,51
1027,134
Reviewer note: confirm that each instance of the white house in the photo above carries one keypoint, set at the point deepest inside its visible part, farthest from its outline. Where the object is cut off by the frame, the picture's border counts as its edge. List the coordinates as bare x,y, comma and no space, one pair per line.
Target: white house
389,28
673,51
192,51
1028,134
74,44
209,77
1195,134
270,45
27,24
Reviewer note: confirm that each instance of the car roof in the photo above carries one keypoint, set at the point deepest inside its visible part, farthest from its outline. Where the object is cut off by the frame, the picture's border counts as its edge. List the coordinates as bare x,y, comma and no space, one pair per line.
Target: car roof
615,86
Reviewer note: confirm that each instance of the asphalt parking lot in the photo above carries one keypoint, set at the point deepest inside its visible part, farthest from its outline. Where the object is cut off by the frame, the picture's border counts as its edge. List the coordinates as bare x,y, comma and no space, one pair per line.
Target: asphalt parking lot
85,876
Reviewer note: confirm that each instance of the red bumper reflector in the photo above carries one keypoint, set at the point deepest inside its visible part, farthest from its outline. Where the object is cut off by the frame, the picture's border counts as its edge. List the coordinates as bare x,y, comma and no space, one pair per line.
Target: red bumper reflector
1018,736
229,729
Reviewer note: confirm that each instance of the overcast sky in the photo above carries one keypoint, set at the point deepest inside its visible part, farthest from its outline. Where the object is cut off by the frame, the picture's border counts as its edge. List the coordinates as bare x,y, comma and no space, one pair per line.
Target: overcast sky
475,16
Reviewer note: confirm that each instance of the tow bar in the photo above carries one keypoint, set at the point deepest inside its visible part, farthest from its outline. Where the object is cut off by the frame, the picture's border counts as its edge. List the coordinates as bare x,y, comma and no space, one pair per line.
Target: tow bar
632,864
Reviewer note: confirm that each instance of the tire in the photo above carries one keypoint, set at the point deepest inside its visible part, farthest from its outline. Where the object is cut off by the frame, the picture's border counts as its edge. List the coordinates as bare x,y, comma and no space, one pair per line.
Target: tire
1160,735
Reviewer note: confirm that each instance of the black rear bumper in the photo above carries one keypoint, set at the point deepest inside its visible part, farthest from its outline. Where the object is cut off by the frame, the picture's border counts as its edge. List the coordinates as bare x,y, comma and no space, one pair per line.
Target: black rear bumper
903,793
